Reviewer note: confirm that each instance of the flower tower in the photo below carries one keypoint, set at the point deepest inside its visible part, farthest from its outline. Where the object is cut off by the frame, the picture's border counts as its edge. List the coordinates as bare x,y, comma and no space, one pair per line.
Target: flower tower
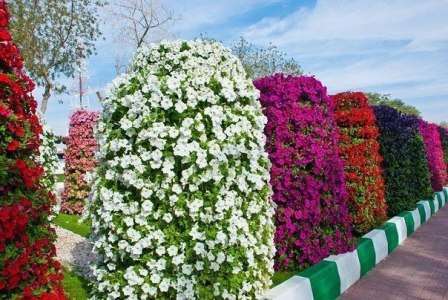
79,160
405,166
181,206
27,266
434,154
360,150
307,175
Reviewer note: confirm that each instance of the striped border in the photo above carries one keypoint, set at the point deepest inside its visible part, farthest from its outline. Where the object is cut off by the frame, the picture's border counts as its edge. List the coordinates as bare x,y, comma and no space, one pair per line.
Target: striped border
331,277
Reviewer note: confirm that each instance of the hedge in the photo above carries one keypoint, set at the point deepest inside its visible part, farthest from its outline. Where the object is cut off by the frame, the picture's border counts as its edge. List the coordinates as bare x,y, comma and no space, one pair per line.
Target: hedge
28,269
434,154
182,205
307,175
360,150
405,166
79,160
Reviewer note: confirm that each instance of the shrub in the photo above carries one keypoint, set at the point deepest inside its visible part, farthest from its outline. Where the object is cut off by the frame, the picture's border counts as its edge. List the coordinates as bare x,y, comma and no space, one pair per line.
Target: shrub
434,154
405,166
359,148
79,160
181,205
307,175
444,139
27,266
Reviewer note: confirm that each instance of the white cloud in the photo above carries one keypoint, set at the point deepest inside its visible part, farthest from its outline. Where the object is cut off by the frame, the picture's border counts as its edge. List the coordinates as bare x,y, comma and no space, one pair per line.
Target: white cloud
391,46
356,20
196,15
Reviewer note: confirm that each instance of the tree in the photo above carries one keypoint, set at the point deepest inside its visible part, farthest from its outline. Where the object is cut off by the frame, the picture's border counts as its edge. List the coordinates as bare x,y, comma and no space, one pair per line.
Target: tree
386,99
137,22
444,124
139,18
259,62
49,33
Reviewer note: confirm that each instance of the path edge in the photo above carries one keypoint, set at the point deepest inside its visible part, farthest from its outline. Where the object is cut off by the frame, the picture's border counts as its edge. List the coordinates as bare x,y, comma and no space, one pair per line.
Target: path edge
331,277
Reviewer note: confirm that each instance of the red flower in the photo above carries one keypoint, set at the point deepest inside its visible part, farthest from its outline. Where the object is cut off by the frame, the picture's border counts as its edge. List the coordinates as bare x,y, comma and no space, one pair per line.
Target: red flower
4,35
4,111
13,146
16,129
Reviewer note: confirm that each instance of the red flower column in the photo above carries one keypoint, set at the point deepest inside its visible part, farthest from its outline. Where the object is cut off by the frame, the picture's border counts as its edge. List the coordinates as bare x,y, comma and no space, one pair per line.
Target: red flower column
360,150
27,266
79,160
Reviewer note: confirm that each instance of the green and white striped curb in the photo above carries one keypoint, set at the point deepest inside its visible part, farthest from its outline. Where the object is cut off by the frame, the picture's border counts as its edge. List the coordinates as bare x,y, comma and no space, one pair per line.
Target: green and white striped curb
331,277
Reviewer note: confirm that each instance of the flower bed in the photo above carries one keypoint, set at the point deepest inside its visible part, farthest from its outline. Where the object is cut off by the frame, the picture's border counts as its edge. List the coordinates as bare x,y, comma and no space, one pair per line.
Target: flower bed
359,148
405,166
79,160
27,266
434,154
181,205
307,175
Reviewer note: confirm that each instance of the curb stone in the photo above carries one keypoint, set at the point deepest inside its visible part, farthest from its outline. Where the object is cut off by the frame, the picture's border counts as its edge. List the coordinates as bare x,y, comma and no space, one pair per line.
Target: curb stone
329,278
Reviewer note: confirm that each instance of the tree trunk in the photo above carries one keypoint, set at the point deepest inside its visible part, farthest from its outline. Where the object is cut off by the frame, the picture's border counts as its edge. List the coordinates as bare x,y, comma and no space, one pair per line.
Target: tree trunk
45,97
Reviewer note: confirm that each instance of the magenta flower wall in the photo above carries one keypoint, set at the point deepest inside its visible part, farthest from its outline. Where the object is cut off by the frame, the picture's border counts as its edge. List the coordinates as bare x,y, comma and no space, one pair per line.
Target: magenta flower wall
307,175
434,154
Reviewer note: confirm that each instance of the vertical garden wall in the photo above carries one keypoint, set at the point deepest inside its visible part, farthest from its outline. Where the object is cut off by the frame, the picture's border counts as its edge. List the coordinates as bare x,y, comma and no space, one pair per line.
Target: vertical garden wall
27,266
79,160
182,203
405,165
434,154
307,175
359,148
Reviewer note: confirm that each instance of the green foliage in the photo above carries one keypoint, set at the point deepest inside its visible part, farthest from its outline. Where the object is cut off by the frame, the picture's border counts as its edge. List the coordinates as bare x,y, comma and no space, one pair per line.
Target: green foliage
386,99
259,62
50,34
75,286
72,223
60,178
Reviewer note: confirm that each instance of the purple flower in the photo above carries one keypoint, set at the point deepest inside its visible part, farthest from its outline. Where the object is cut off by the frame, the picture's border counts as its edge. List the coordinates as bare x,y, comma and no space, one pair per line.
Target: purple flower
307,175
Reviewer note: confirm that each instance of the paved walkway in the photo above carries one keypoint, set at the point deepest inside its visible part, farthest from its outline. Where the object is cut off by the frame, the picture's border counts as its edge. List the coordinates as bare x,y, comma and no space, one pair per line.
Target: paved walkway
74,251
418,269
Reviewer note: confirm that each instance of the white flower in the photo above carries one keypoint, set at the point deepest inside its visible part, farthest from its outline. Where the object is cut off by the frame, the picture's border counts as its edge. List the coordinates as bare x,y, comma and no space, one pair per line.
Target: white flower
180,107
160,250
125,124
155,278
187,269
146,193
133,234
164,285
172,250
128,221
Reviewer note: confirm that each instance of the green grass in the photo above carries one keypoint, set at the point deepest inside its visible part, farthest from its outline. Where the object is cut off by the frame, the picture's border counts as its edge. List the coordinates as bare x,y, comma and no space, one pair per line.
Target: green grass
279,277
70,222
75,286
60,178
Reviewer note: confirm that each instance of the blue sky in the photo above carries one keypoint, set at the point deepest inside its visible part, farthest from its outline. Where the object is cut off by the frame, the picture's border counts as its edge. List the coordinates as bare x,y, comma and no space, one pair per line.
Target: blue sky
398,47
